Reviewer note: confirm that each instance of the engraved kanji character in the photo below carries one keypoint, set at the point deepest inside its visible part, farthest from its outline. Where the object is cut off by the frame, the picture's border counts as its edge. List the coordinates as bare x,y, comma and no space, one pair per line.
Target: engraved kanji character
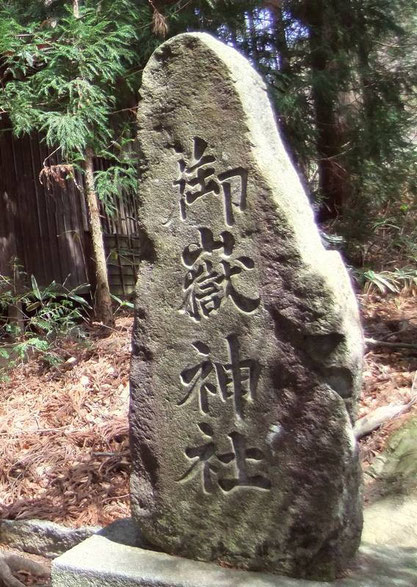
198,178
214,466
209,281
237,379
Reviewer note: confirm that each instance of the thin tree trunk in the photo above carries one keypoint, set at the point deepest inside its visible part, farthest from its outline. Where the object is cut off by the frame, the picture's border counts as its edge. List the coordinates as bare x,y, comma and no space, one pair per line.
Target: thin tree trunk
283,63
75,8
102,303
334,179
103,311
253,37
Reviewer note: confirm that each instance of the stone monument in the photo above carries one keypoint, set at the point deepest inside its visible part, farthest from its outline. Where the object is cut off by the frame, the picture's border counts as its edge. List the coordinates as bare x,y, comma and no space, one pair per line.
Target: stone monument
247,346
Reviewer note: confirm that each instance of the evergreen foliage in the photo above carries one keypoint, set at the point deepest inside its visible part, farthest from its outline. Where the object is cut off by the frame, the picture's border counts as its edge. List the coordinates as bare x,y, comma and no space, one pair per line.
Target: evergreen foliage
342,75
66,76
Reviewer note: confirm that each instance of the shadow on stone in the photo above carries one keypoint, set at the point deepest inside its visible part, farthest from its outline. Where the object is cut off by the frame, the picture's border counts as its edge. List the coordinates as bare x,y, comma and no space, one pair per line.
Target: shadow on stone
125,532
384,566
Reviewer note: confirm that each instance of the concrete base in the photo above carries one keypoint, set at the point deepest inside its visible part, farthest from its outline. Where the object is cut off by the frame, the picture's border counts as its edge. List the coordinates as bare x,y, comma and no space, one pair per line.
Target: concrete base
117,557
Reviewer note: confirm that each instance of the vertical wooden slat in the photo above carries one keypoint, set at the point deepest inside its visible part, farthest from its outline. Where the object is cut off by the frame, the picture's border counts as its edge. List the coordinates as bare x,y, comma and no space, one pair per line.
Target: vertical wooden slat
60,213
53,261
42,272
23,212
8,244
120,264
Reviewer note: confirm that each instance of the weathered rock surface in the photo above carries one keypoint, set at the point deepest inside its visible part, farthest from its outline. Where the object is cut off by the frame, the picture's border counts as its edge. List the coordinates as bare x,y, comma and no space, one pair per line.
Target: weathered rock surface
247,346
42,537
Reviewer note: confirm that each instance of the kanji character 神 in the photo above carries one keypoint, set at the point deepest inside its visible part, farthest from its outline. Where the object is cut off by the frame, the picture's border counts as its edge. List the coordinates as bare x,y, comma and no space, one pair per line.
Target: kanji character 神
236,379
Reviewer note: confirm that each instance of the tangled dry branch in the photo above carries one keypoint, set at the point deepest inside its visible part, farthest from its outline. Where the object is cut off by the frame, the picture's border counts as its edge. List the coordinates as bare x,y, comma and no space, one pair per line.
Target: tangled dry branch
51,174
159,22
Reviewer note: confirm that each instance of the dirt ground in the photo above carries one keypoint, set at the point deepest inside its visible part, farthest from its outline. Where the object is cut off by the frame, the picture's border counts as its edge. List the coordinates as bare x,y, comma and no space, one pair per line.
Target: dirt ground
64,431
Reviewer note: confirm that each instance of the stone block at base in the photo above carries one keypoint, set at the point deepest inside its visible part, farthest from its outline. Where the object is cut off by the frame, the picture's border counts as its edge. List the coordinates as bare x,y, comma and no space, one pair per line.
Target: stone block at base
113,558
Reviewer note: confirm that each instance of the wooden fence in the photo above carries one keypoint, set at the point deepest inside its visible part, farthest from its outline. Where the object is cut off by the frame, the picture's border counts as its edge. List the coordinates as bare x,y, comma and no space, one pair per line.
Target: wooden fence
46,229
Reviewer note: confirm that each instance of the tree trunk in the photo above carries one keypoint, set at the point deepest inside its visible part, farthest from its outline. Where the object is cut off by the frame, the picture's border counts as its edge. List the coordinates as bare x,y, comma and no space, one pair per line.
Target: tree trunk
334,184
75,8
103,311
102,301
283,64
253,37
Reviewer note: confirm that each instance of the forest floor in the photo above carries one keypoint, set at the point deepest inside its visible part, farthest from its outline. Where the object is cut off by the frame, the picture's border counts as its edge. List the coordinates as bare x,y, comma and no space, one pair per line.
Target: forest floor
64,454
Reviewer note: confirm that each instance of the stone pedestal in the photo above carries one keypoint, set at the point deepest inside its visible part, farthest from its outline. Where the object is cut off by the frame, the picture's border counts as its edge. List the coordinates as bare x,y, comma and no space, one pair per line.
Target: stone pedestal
110,559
